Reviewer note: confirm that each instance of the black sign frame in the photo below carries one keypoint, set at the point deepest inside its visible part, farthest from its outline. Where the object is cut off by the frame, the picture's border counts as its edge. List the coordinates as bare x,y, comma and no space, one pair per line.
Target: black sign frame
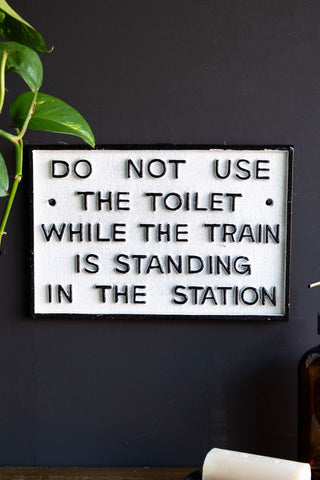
179,317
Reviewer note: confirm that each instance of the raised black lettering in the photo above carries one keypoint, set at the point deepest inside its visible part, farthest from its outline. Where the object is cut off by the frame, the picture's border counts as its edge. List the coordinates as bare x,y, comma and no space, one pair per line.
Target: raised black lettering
153,197
175,166
271,296
249,295
107,201
208,295
92,266
146,227
138,169
260,169
160,169
229,229
102,289
182,297
211,227
84,203
82,168
60,172
64,293
118,294
226,172
240,267
272,234
246,232
136,294
223,291
247,173
77,232
233,197
172,264
54,231
117,232
226,265
120,260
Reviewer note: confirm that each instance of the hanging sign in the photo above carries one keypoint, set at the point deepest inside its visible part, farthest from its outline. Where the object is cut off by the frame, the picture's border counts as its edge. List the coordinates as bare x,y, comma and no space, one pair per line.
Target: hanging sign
161,230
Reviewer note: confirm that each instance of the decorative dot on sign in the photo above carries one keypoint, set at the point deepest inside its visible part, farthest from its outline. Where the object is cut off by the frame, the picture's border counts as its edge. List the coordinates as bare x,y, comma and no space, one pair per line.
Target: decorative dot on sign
269,202
52,202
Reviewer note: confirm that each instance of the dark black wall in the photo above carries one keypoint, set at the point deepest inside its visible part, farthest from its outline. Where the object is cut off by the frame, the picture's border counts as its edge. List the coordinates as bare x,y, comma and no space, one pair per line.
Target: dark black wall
165,392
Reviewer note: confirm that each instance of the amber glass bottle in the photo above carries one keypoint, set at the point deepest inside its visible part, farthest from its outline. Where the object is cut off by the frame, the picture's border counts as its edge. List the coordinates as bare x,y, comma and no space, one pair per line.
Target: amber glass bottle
309,407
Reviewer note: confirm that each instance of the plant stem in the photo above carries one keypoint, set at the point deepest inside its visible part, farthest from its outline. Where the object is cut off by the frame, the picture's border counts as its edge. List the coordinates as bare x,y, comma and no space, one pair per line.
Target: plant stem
2,78
19,162
18,145
8,136
28,117
18,137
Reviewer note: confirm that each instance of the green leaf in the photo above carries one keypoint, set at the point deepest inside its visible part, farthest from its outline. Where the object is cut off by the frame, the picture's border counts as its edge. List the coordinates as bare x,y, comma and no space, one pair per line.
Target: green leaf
4,179
50,115
13,27
25,62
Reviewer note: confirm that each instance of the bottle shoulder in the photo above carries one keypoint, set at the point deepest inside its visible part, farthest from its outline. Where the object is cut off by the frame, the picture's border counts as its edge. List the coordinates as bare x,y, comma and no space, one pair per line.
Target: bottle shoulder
310,356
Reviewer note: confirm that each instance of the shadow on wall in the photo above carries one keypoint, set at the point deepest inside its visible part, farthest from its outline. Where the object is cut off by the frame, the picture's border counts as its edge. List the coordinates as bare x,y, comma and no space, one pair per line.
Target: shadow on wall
259,412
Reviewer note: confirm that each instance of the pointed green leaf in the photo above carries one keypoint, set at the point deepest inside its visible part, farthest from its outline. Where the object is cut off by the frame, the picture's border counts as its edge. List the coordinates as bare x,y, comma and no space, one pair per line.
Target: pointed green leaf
50,115
25,62
13,27
4,179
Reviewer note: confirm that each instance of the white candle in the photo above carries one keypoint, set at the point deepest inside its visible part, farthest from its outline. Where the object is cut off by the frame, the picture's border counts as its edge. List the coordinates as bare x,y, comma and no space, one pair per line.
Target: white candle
228,465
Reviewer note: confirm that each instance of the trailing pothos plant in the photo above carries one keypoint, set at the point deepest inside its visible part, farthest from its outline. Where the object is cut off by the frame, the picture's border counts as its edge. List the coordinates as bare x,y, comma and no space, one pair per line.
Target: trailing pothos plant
31,109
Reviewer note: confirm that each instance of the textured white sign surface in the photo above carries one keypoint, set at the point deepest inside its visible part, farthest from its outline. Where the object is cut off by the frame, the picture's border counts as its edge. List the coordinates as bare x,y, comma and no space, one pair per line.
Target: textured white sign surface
160,231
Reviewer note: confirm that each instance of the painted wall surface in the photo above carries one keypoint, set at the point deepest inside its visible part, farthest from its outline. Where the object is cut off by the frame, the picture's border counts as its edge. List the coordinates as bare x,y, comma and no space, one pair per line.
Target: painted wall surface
156,393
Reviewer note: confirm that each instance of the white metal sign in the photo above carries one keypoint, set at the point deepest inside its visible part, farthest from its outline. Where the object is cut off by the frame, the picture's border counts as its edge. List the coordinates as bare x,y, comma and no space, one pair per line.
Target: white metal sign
188,231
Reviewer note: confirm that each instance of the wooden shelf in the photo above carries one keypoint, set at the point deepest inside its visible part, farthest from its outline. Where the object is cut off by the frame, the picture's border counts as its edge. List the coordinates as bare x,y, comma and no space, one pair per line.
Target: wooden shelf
94,473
